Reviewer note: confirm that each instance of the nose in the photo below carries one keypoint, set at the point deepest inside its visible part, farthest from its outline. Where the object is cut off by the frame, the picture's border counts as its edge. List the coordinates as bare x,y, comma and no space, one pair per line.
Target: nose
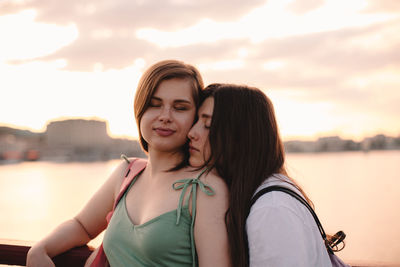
192,135
165,115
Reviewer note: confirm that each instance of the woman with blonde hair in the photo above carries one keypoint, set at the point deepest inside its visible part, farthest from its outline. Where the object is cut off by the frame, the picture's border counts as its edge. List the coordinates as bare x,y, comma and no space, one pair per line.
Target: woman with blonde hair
168,214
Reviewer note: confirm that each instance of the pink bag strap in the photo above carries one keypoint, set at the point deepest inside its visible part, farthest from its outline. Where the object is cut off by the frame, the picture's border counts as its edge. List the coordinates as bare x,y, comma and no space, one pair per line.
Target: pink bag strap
101,259
134,168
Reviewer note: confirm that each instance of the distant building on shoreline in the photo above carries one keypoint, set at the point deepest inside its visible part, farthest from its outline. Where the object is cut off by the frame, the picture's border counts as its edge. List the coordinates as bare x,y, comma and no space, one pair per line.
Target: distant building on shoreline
66,140
77,133
17,145
336,144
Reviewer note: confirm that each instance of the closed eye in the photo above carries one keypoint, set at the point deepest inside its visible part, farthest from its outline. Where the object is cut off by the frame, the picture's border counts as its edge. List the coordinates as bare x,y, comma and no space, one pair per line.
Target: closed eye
155,102
181,107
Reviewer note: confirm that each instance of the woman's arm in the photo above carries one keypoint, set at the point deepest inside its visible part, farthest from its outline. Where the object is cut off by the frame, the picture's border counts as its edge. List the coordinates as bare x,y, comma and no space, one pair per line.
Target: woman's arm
90,222
67,235
210,232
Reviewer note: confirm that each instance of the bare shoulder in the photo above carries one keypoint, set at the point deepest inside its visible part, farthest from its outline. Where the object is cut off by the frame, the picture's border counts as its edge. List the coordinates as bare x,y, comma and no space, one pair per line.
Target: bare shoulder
210,232
216,182
217,201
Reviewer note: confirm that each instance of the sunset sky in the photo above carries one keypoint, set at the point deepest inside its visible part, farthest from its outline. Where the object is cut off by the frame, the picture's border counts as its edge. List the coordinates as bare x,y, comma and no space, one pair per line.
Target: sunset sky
330,67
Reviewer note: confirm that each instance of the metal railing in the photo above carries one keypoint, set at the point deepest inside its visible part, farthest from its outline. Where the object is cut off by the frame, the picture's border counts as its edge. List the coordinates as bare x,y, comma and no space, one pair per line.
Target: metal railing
14,253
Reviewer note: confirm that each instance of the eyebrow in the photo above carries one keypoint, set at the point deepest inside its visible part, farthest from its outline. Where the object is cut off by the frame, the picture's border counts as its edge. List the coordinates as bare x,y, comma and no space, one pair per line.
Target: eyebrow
175,101
205,116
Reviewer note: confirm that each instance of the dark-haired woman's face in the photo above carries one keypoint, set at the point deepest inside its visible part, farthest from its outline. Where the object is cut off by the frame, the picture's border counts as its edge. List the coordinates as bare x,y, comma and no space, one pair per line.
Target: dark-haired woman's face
199,146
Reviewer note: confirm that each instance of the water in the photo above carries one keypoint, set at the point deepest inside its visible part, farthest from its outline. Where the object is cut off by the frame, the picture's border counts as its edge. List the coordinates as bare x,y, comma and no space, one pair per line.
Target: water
353,191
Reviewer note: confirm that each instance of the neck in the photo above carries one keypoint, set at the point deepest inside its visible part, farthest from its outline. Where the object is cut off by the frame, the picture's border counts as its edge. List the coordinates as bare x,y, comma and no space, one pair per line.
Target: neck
159,162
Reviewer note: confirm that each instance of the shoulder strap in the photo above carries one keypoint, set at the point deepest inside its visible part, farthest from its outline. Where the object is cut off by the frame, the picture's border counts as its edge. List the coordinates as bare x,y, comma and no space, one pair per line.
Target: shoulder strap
339,237
134,168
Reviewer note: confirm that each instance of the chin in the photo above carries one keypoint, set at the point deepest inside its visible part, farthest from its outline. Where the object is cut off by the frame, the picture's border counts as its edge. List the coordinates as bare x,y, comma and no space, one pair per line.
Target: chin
195,163
167,146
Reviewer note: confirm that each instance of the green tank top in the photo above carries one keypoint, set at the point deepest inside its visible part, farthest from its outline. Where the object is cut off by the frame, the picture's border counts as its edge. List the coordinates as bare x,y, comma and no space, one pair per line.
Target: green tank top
166,240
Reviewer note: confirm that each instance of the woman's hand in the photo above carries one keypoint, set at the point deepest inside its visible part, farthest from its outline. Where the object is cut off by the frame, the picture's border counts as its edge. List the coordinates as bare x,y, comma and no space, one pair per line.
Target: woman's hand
37,257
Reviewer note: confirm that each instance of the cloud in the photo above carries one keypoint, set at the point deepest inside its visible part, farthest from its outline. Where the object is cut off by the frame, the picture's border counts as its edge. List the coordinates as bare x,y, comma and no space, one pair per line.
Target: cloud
301,7
107,28
132,14
85,54
382,6
337,54
108,32
318,61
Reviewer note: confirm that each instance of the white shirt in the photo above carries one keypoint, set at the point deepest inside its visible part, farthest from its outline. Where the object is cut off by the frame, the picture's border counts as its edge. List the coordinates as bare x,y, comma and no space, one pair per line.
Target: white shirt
282,232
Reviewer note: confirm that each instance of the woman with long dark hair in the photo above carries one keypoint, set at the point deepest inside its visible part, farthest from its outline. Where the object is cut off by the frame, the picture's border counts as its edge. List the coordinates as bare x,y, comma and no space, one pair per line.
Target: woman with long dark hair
237,135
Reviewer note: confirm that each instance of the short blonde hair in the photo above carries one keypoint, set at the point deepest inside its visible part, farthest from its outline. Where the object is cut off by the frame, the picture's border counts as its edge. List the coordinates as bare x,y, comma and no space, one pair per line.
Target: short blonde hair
151,79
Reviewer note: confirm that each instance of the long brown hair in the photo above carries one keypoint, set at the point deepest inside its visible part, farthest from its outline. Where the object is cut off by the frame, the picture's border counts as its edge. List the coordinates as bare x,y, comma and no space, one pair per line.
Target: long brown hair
246,149
148,84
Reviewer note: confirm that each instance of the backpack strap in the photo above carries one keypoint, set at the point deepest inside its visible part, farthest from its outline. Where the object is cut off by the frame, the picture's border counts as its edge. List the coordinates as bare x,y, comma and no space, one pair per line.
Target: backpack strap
134,168
330,244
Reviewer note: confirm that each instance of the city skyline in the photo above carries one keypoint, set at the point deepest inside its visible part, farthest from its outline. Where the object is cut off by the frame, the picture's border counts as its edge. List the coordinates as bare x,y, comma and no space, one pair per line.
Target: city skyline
330,67
88,140
135,138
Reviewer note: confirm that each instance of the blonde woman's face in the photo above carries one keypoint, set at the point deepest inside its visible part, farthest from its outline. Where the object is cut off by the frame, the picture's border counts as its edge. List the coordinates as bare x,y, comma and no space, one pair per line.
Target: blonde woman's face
169,117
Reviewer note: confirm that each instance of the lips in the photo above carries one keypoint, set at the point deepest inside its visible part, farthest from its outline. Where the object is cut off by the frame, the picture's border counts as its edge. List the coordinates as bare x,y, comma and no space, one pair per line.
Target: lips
164,131
193,149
